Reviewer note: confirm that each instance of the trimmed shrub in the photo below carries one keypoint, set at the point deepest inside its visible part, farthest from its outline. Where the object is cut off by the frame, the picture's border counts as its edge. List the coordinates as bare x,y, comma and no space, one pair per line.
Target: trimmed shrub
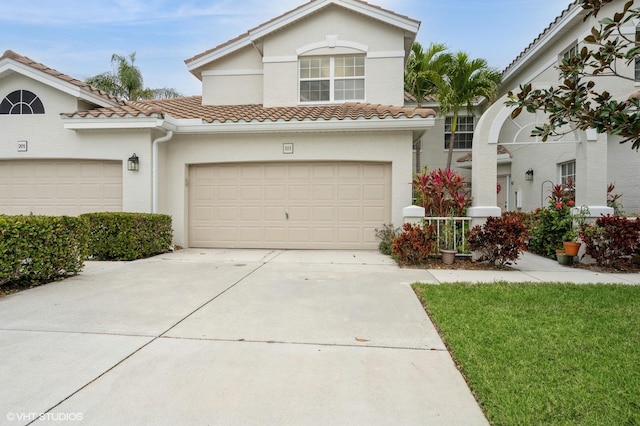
39,249
128,236
415,244
501,239
612,240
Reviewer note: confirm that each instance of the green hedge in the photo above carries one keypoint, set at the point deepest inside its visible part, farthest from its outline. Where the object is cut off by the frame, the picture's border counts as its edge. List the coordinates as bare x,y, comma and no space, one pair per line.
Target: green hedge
128,236
38,249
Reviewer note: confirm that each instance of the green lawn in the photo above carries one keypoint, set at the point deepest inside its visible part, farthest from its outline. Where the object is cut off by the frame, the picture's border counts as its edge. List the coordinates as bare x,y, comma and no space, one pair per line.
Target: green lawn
544,354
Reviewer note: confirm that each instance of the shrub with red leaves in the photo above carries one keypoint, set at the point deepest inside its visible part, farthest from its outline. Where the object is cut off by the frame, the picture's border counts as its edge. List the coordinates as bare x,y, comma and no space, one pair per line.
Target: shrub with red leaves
612,240
415,244
501,239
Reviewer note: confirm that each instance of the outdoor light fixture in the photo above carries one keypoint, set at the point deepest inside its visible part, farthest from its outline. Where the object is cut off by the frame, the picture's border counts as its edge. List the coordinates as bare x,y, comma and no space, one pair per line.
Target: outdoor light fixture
133,163
528,175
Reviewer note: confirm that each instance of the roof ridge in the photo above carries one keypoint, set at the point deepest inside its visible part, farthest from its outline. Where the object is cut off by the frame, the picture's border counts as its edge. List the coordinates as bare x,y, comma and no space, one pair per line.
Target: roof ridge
542,34
289,12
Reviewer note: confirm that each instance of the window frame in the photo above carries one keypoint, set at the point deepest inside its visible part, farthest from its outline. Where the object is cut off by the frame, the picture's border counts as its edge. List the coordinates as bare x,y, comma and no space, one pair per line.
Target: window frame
468,134
332,78
565,175
21,106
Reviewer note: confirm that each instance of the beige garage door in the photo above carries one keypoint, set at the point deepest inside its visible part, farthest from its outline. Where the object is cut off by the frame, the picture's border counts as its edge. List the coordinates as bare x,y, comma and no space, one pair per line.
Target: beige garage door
288,205
60,187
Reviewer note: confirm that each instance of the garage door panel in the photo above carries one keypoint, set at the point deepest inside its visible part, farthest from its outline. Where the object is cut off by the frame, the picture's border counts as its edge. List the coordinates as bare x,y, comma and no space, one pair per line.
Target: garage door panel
349,214
327,204
324,192
374,214
349,193
275,192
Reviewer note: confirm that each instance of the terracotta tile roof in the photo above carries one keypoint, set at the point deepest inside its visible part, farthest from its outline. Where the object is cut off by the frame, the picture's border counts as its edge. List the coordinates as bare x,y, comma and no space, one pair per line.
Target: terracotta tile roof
191,108
468,157
9,54
246,34
411,99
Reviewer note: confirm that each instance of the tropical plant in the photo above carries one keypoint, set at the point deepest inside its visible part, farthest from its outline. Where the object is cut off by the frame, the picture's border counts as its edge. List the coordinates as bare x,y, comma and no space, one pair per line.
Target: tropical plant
463,83
425,70
415,244
125,81
441,192
577,102
501,239
612,240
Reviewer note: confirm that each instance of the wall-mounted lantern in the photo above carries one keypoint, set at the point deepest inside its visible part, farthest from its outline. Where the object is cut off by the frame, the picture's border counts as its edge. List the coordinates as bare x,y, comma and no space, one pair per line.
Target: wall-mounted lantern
133,163
528,175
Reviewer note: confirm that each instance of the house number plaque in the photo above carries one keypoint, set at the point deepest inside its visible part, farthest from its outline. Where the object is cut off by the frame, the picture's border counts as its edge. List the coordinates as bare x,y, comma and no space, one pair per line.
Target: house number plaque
287,148
22,146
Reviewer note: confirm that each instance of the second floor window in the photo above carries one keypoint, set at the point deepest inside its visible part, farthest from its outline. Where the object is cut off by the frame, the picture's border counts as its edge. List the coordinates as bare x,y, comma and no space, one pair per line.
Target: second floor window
332,78
464,132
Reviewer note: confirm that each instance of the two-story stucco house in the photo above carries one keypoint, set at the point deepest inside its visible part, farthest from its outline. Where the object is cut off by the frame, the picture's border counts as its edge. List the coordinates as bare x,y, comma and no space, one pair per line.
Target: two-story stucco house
300,139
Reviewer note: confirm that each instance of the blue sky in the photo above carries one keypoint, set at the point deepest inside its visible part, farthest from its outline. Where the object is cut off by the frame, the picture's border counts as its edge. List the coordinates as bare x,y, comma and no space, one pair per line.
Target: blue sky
78,37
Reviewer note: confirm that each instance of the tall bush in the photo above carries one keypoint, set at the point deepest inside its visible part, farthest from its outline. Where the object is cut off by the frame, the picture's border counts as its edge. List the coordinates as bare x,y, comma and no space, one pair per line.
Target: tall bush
39,249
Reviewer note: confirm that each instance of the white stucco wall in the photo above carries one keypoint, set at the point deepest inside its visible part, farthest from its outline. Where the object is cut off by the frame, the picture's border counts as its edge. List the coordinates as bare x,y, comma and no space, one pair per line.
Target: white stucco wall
183,150
236,79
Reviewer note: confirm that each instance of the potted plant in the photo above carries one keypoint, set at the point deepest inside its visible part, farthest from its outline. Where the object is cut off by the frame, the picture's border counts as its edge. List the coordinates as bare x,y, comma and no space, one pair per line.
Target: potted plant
570,241
447,241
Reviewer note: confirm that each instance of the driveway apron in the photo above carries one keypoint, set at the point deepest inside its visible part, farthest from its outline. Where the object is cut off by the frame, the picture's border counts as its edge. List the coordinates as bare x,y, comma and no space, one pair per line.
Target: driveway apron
230,337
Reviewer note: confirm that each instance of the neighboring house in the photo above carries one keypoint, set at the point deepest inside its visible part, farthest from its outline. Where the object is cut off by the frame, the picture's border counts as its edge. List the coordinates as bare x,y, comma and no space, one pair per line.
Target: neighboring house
590,160
300,139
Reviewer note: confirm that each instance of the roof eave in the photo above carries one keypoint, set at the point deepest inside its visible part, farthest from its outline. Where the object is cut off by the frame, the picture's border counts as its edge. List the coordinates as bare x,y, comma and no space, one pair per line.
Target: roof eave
574,14
373,124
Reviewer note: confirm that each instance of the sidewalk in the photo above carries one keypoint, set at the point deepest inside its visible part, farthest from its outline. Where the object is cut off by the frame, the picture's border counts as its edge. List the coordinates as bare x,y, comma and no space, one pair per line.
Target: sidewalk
534,268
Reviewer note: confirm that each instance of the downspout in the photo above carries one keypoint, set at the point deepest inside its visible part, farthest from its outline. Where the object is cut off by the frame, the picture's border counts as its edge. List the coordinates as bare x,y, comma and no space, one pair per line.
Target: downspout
154,168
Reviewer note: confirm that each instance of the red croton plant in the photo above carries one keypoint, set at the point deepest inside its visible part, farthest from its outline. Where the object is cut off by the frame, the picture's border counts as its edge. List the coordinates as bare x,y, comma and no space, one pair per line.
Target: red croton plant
442,192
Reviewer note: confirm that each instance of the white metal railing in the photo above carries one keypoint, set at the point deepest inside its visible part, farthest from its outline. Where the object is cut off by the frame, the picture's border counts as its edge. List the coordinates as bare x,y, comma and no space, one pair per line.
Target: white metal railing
455,228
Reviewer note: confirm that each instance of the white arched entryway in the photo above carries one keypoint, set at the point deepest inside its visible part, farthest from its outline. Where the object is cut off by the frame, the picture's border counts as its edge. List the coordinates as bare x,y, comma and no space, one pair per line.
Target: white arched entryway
590,156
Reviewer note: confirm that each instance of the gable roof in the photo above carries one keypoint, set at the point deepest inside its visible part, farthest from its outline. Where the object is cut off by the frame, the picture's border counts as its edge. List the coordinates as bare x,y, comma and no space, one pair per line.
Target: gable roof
569,17
251,36
190,108
12,61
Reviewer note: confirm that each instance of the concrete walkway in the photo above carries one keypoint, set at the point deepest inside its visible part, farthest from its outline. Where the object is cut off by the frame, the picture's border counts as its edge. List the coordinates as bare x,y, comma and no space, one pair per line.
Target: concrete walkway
240,337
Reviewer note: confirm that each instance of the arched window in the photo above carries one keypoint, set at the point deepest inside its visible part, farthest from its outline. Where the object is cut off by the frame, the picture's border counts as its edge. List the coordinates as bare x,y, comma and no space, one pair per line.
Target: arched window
21,102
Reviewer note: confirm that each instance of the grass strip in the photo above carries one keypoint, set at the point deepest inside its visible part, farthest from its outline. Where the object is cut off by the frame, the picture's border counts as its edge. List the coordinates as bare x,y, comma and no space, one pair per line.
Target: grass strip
552,354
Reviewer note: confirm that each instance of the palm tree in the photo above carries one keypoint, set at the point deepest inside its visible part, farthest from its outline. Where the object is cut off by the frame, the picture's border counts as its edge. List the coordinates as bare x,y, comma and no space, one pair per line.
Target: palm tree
125,81
464,82
423,75
425,69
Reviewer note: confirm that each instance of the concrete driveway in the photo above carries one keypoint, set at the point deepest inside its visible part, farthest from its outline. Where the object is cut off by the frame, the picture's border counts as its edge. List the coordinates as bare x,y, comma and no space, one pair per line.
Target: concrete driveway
207,337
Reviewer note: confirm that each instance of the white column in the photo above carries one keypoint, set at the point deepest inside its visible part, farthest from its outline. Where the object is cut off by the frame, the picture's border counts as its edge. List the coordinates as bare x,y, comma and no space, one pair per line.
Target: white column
591,174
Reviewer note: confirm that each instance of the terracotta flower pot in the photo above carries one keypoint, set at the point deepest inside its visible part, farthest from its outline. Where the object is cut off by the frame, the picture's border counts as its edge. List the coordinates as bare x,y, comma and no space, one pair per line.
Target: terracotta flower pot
448,256
571,248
